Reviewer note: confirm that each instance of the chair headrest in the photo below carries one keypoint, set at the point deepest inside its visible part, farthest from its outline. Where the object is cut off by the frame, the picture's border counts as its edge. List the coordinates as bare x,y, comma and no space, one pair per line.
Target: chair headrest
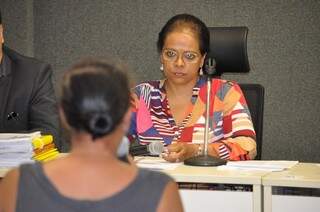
228,46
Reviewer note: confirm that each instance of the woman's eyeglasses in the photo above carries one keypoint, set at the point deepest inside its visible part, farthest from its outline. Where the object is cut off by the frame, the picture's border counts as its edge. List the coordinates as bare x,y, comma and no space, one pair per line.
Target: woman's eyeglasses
171,55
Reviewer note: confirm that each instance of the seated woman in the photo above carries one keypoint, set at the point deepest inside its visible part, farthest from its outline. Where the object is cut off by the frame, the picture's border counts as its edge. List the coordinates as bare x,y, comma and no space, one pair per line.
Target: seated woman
95,107
172,110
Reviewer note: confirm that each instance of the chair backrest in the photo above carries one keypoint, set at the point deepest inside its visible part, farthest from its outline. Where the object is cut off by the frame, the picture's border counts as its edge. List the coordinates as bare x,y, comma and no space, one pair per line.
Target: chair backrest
228,46
254,94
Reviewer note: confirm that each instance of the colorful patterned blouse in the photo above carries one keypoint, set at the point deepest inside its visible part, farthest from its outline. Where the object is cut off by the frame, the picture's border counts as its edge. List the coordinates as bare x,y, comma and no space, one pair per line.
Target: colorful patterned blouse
231,134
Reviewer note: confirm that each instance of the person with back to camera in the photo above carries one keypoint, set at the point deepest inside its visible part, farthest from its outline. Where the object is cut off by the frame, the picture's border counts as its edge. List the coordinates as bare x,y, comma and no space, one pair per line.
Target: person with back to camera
95,108
173,110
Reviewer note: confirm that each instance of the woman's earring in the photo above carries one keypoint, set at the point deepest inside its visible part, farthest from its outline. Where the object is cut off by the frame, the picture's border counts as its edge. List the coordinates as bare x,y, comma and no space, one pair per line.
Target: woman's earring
200,71
161,67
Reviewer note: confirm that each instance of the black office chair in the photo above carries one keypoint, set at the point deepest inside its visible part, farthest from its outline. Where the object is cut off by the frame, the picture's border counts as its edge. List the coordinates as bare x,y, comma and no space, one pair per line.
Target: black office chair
254,94
228,46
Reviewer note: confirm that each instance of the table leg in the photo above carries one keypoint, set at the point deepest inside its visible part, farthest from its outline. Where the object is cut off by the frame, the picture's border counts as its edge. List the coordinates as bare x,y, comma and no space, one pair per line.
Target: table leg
267,198
257,198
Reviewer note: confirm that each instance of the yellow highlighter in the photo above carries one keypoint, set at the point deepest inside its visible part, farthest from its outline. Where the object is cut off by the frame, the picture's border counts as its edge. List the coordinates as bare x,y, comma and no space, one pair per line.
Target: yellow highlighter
41,141
44,148
51,154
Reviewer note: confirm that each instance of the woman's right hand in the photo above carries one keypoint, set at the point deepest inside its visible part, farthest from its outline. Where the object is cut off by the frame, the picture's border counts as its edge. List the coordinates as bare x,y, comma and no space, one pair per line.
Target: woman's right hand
179,151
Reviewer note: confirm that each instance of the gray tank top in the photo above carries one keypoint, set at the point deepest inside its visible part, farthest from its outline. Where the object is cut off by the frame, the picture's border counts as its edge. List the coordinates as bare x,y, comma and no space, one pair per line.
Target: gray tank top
37,193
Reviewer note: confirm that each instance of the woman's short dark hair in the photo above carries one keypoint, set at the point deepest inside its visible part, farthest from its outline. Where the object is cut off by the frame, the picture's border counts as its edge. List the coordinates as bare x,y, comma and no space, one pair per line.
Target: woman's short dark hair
182,21
95,96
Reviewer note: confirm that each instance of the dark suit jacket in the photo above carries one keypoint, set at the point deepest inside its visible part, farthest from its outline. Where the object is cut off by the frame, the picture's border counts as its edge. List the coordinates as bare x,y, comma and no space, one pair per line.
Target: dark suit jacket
29,94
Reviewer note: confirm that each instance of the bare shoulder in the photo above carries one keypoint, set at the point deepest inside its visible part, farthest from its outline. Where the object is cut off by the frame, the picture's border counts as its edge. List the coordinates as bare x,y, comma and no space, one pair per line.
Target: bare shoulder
170,200
8,190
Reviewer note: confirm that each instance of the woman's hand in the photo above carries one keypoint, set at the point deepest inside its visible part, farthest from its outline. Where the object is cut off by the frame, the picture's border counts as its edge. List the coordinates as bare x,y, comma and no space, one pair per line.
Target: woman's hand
179,151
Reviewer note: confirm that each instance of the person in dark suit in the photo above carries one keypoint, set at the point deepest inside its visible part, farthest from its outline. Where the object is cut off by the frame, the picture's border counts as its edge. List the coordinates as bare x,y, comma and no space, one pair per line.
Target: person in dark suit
27,98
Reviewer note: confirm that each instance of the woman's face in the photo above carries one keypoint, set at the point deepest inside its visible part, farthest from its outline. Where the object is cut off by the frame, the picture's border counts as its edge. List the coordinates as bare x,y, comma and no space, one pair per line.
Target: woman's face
181,57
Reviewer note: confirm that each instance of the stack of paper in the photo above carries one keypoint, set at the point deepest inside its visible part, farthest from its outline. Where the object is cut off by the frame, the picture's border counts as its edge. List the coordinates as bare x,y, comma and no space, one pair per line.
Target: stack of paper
16,148
263,165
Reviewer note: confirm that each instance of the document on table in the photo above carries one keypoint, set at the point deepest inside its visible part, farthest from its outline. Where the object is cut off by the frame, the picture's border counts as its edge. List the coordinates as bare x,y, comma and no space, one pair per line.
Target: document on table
16,142
16,148
18,136
260,165
155,163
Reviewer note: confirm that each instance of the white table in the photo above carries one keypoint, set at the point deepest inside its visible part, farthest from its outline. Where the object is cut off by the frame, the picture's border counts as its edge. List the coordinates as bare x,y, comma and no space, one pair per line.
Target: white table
303,175
217,200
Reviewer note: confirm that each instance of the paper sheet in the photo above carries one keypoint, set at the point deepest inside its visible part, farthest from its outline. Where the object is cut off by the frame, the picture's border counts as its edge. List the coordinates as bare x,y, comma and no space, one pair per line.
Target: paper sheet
18,136
16,148
155,163
259,165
